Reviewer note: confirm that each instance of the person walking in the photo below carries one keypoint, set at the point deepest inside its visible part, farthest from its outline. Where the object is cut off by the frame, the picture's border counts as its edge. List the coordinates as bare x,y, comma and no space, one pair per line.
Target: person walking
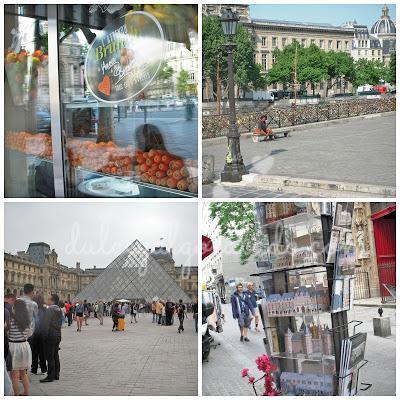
241,310
86,311
133,312
159,307
251,294
115,313
153,311
20,350
37,342
52,338
100,310
195,316
181,315
79,311
68,312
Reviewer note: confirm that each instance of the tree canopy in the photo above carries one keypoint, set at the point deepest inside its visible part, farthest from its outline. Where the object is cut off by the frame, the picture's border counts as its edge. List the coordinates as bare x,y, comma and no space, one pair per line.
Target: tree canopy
236,222
372,72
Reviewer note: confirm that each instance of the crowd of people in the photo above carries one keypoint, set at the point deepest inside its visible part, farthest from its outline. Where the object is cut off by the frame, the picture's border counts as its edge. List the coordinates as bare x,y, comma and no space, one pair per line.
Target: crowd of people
32,329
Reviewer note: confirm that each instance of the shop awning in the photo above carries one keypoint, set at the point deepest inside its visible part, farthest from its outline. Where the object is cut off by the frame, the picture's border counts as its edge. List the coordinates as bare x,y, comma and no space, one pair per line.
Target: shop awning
207,247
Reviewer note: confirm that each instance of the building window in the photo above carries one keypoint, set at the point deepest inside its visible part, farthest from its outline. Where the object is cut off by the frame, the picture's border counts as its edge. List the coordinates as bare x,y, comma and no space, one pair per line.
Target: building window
304,42
312,41
338,84
273,59
275,85
373,52
338,45
191,76
263,41
274,41
379,52
264,62
321,44
284,42
330,44
347,44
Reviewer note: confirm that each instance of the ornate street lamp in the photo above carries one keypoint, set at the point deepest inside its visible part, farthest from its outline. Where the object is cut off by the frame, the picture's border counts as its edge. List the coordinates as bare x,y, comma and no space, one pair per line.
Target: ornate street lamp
234,167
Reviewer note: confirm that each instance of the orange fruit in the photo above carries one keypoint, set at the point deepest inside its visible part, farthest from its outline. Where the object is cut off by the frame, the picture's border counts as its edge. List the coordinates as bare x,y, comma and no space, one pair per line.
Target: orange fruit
182,184
171,182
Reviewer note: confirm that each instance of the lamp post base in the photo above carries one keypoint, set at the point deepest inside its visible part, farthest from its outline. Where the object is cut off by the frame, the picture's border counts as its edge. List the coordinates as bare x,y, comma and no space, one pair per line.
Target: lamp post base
233,173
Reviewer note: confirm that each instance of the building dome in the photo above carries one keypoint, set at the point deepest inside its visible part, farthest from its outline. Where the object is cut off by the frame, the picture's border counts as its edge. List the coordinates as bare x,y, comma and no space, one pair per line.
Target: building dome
384,25
162,254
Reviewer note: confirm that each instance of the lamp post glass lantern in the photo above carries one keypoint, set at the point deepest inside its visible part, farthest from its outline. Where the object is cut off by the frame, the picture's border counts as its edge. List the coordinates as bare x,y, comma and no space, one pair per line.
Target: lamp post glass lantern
234,167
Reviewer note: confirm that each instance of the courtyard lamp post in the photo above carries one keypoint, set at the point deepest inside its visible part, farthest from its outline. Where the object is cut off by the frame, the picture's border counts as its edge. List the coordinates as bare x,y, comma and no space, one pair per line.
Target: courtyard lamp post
234,167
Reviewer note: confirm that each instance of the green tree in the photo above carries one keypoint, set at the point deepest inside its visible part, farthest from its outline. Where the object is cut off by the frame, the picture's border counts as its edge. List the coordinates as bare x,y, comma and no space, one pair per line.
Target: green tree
166,72
392,69
213,51
182,83
236,221
370,72
247,72
311,66
338,65
282,70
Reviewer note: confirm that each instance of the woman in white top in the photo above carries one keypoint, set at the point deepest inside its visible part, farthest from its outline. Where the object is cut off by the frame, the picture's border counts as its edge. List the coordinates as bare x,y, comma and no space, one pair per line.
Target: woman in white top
19,347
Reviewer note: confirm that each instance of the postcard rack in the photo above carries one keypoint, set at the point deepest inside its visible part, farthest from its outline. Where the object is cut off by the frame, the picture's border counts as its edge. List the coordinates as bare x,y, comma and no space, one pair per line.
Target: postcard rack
321,374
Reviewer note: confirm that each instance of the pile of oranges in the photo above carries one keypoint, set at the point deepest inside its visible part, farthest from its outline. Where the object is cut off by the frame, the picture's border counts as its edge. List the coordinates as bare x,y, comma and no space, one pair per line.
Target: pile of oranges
35,144
164,169
104,157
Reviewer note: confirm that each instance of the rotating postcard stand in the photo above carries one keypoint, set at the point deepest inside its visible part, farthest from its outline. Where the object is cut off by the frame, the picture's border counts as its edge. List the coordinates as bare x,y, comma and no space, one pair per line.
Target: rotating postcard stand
304,336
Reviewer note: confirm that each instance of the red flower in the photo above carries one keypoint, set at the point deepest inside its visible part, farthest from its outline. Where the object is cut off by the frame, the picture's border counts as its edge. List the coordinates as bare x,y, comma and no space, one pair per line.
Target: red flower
245,372
251,379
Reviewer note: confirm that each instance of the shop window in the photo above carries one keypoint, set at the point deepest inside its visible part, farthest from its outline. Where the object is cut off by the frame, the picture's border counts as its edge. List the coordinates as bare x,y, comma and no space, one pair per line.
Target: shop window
128,120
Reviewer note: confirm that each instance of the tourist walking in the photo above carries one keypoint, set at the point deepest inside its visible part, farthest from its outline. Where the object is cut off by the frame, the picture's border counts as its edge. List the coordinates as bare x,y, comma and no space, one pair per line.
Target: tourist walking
79,311
241,310
115,313
251,294
153,311
100,311
68,312
159,307
37,340
52,338
181,315
20,350
86,311
169,311
133,312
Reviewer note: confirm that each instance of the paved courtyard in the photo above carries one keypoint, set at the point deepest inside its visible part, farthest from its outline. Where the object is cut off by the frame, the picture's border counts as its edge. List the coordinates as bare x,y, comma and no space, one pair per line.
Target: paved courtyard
145,359
222,372
357,151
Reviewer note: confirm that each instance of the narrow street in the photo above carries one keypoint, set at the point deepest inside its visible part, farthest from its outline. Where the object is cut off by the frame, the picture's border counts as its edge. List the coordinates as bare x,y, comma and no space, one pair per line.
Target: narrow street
222,372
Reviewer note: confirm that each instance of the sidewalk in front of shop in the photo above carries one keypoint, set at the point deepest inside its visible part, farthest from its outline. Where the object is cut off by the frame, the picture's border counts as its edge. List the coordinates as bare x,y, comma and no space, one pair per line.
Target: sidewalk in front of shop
222,372
374,302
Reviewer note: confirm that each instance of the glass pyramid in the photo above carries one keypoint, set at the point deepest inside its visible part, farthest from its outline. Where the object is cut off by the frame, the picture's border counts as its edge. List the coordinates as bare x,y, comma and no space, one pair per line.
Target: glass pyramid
133,275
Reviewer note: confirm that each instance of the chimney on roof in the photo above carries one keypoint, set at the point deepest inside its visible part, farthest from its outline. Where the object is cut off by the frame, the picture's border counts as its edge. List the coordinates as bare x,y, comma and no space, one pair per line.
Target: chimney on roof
78,265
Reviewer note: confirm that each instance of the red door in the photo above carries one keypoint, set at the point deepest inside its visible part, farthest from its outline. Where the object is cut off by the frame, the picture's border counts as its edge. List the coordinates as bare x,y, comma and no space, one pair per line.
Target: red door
385,243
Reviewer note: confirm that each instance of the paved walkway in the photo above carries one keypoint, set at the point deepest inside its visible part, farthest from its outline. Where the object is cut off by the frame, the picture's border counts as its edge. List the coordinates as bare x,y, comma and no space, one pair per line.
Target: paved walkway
222,373
145,359
358,151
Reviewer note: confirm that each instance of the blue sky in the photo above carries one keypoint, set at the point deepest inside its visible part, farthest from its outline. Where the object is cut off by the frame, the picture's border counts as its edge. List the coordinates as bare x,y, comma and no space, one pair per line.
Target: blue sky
334,14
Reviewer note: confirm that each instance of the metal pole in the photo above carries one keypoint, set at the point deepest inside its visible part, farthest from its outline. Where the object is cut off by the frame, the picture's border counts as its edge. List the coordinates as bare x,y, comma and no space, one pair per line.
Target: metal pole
234,167
55,102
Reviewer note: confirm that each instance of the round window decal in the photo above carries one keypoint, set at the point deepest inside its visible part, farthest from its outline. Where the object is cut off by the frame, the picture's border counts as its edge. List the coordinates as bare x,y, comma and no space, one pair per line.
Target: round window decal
125,57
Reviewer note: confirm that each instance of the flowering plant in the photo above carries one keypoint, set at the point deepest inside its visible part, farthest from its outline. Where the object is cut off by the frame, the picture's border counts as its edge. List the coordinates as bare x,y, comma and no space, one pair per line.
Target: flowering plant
263,364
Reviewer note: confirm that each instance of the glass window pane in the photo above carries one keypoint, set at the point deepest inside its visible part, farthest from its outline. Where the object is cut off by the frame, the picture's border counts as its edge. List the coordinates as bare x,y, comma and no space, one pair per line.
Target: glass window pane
28,166
128,78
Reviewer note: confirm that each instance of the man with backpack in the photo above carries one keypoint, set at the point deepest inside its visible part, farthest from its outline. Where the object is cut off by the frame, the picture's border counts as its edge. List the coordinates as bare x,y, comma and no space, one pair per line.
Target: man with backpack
181,315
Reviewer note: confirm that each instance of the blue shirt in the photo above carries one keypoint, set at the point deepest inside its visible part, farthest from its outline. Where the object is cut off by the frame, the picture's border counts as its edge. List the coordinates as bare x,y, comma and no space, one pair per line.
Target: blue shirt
252,297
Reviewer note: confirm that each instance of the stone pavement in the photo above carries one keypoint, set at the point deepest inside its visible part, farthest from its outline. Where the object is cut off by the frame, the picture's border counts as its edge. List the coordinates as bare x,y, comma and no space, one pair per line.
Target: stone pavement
145,359
222,372
359,151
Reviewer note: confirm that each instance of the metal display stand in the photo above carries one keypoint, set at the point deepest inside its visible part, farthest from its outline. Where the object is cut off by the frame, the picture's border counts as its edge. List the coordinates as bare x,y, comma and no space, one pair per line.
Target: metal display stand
275,327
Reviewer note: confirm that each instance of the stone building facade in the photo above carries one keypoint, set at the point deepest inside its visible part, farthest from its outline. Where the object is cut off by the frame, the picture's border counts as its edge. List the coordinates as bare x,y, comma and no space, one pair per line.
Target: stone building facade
185,276
39,266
